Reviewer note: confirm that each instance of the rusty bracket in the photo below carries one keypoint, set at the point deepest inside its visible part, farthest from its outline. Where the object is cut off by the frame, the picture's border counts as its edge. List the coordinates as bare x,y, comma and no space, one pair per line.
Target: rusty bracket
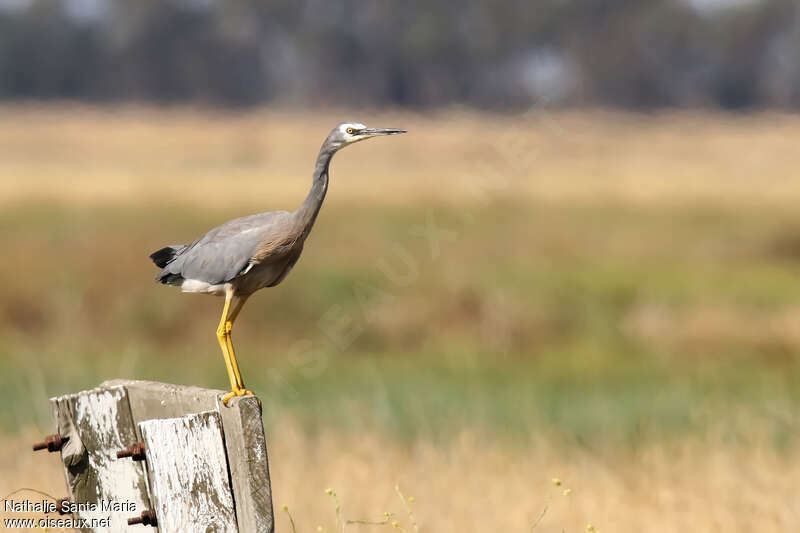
135,452
52,443
147,518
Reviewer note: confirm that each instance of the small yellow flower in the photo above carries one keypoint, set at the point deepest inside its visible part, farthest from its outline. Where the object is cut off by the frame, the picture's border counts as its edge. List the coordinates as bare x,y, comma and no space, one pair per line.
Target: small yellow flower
285,507
556,482
395,524
387,514
330,492
411,499
590,528
567,492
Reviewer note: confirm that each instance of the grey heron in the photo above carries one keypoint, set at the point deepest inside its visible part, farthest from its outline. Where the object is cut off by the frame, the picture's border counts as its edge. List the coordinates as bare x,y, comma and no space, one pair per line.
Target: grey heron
246,254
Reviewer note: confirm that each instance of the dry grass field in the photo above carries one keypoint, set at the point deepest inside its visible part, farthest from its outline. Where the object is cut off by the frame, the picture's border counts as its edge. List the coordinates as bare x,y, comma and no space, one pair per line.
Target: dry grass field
474,485
486,303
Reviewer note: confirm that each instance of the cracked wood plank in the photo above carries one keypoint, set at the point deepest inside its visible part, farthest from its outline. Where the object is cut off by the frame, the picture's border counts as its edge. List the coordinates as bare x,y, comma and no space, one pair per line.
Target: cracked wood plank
99,423
247,459
188,472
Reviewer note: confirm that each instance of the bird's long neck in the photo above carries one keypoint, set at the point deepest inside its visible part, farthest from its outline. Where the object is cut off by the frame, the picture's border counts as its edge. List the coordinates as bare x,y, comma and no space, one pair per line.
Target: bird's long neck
307,213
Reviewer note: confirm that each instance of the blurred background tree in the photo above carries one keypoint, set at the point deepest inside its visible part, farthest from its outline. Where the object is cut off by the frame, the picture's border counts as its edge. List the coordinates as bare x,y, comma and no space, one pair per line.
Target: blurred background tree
648,54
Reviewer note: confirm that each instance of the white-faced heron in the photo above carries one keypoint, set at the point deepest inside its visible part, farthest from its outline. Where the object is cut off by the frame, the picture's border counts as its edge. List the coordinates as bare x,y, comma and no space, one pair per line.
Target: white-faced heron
247,254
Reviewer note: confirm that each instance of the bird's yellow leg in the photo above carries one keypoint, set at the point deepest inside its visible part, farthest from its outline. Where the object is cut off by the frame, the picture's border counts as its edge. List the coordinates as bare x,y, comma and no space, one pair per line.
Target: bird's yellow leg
238,302
222,336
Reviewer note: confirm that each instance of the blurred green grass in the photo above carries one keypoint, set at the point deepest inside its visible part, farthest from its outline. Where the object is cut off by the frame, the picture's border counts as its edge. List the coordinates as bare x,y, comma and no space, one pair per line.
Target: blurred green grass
592,323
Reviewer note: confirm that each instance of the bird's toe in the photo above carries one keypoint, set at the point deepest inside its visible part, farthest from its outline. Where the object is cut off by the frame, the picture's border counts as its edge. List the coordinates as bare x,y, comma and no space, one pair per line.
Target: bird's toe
235,393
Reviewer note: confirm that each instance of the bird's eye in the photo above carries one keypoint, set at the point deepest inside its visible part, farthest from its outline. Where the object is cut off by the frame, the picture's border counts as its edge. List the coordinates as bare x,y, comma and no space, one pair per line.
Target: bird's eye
350,131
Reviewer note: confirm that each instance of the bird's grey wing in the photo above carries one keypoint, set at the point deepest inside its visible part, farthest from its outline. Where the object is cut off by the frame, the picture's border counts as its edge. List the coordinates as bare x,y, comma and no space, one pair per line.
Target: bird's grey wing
225,251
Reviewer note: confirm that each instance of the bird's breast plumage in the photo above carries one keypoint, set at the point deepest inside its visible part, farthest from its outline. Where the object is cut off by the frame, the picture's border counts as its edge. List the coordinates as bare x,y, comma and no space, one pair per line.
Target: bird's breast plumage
267,273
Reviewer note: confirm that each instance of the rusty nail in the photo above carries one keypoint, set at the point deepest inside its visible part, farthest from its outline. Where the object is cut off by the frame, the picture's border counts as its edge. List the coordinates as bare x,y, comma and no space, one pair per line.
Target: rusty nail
147,518
61,506
135,452
52,443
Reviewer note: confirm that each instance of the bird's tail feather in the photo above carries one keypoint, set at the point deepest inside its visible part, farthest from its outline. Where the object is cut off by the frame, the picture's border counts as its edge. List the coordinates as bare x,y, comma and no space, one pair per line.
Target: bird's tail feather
166,255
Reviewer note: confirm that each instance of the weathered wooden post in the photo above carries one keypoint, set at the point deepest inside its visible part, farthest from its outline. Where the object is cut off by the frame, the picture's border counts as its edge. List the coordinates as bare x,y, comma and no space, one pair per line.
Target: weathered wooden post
166,456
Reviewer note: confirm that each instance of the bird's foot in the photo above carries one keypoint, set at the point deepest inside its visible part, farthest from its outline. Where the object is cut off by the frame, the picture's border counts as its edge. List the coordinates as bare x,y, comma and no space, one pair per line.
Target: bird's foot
236,392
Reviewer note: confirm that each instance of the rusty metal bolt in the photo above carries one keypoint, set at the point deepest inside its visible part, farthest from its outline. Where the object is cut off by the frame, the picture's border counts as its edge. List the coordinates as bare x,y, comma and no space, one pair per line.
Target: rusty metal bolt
61,506
135,452
147,518
52,443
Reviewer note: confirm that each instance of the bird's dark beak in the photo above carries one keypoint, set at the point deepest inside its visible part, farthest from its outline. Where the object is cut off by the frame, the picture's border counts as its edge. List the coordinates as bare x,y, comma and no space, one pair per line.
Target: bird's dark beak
381,131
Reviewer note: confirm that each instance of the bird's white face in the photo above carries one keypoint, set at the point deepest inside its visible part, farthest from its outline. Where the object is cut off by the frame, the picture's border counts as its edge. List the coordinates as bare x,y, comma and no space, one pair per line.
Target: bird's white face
352,132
